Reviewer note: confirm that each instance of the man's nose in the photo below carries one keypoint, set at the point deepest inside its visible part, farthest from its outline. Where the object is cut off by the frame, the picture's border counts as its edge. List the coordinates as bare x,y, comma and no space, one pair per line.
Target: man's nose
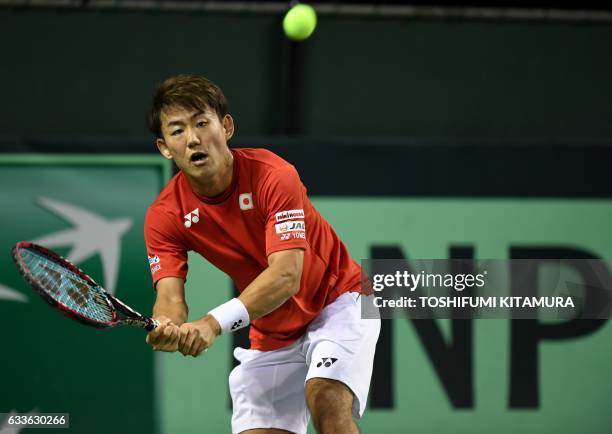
192,138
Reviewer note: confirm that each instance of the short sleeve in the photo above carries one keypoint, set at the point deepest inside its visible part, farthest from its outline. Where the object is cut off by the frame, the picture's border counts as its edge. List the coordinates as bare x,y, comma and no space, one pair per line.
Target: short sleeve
167,254
283,196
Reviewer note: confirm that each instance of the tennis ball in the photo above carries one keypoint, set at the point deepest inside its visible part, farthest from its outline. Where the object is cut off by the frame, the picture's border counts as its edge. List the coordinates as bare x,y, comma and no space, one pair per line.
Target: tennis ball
299,22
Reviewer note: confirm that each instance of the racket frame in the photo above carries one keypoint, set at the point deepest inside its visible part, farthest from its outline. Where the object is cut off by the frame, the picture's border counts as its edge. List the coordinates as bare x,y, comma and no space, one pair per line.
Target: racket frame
114,304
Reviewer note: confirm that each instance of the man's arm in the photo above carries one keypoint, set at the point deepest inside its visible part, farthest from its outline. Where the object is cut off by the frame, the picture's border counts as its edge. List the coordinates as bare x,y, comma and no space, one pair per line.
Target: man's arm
171,311
275,285
268,291
170,302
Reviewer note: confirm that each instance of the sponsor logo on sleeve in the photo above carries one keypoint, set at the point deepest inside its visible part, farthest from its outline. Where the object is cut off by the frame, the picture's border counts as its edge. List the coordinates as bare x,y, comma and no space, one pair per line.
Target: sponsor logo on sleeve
154,263
290,226
293,236
289,215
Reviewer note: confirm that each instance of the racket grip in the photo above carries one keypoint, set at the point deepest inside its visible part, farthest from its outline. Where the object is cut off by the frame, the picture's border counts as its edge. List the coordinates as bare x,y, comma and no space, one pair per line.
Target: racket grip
151,324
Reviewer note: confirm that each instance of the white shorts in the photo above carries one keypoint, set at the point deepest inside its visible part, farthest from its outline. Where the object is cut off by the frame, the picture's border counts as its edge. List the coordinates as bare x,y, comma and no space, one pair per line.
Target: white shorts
267,387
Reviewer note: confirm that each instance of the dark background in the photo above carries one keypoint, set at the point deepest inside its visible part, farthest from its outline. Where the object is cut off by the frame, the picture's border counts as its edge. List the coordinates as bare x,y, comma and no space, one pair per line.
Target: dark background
88,74
399,100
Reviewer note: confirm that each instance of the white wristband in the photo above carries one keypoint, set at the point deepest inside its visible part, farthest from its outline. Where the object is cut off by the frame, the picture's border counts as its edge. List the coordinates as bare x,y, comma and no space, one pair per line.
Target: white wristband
231,315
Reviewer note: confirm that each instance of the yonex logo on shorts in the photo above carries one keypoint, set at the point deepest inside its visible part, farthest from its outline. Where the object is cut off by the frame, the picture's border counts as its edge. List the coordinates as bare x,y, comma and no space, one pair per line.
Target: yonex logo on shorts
289,214
192,217
326,362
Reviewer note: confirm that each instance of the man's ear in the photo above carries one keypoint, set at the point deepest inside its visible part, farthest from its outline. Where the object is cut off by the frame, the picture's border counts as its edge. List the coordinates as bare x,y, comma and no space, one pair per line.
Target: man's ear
163,148
228,126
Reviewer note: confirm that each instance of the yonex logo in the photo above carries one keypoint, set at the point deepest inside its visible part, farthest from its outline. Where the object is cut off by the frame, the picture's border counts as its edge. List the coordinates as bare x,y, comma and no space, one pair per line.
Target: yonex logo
326,362
192,217
237,324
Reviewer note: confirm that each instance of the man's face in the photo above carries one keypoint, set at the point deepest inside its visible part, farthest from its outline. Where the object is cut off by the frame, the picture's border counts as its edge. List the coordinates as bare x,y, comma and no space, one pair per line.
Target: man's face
196,140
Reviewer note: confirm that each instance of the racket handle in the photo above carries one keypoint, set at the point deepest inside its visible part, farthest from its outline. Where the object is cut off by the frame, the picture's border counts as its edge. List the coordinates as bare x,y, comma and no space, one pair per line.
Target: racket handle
151,324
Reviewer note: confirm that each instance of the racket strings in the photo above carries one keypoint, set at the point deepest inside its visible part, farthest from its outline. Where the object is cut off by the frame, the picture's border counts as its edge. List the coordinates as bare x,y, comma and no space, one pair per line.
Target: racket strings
67,287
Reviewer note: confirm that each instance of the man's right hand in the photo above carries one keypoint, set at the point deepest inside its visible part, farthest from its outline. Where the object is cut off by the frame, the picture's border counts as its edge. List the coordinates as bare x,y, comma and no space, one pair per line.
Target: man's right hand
165,337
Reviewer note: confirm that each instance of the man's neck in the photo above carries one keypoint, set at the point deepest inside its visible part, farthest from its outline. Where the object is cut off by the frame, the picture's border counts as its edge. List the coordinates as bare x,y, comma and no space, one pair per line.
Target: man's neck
218,183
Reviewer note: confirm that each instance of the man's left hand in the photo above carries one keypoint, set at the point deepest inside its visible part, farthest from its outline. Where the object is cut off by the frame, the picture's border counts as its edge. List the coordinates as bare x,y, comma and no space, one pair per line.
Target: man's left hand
197,336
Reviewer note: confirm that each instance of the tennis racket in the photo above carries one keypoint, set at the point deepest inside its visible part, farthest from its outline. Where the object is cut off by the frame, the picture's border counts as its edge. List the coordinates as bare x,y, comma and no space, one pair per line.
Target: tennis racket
72,292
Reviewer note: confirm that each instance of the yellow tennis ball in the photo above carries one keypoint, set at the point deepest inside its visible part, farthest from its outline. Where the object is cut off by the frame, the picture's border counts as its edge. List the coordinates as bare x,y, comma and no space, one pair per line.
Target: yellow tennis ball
299,22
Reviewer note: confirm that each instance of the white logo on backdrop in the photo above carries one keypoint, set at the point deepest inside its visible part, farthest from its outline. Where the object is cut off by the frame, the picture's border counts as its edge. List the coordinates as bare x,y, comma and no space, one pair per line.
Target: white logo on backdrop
91,234
11,294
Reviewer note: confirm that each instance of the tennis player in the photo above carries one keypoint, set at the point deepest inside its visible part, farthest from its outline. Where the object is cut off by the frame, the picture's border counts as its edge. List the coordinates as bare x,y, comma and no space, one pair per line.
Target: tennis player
246,211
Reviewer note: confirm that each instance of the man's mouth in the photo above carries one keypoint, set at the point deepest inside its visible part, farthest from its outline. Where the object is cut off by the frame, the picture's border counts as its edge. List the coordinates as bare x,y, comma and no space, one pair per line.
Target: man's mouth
198,158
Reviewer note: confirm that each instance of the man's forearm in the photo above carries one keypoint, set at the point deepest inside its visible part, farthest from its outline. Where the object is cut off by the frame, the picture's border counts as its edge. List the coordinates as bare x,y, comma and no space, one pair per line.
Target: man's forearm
269,290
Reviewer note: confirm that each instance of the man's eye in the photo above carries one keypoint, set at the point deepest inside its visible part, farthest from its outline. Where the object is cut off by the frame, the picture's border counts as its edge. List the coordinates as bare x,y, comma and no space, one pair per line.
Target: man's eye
201,124
176,132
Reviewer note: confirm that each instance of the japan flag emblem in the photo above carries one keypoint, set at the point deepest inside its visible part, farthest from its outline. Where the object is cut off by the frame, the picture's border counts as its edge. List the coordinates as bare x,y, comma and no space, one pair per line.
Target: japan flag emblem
245,200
